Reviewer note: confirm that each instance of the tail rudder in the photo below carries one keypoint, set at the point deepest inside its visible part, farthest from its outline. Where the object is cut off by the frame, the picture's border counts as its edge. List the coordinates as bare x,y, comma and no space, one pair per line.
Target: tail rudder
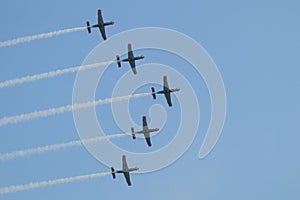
88,26
113,172
153,93
133,134
119,61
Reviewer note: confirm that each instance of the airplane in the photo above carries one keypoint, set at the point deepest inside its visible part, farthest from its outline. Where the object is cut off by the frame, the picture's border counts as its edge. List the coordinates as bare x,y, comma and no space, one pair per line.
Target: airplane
146,131
166,91
101,25
131,59
125,170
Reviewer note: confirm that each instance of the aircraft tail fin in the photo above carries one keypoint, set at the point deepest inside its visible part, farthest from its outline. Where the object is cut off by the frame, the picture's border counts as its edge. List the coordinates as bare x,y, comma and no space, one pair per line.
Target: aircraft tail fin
88,26
153,93
132,132
119,61
113,172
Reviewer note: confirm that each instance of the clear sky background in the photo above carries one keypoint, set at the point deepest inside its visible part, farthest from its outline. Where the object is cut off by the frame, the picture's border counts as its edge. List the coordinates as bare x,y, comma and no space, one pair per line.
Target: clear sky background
256,48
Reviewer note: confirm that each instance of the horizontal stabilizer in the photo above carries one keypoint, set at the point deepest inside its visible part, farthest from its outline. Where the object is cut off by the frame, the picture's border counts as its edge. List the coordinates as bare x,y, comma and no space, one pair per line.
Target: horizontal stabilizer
132,132
119,61
88,26
153,93
113,172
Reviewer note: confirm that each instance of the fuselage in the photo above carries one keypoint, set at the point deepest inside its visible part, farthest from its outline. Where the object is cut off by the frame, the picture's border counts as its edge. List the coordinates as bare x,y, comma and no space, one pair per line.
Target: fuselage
100,25
128,170
147,130
167,90
133,58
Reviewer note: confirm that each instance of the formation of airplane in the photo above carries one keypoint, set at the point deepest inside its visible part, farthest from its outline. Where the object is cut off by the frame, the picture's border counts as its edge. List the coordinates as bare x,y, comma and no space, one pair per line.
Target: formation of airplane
101,25
125,170
131,59
146,131
166,91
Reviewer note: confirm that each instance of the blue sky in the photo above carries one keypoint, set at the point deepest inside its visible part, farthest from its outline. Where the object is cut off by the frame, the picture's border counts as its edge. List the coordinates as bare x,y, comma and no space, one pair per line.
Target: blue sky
255,46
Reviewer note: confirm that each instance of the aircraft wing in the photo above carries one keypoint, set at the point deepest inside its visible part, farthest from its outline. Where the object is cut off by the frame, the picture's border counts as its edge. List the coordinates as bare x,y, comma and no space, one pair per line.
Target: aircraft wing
166,85
100,18
167,92
133,68
124,163
146,131
145,125
102,31
147,137
130,52
127,177
131,59
168,98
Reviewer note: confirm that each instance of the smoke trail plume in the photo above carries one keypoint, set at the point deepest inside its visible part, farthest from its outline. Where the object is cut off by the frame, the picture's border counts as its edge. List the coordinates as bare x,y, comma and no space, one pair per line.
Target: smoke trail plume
59,72
63,109
31,186
55,147
39,36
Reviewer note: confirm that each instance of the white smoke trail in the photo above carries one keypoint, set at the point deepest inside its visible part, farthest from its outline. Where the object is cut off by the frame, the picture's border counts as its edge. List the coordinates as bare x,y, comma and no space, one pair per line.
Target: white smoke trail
55,147
39,36
59,72
63,109
31,186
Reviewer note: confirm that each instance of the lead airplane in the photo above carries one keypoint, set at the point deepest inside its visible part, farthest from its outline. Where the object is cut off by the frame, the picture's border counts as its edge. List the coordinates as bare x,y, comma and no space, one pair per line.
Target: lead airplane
131,59
166,91
146,131
101,25
125,170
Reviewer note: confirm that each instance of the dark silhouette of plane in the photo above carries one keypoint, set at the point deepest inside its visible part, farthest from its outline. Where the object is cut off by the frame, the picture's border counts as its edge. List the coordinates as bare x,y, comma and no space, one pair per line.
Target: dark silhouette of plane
125,170
131,59
146,131
166,91
101,25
